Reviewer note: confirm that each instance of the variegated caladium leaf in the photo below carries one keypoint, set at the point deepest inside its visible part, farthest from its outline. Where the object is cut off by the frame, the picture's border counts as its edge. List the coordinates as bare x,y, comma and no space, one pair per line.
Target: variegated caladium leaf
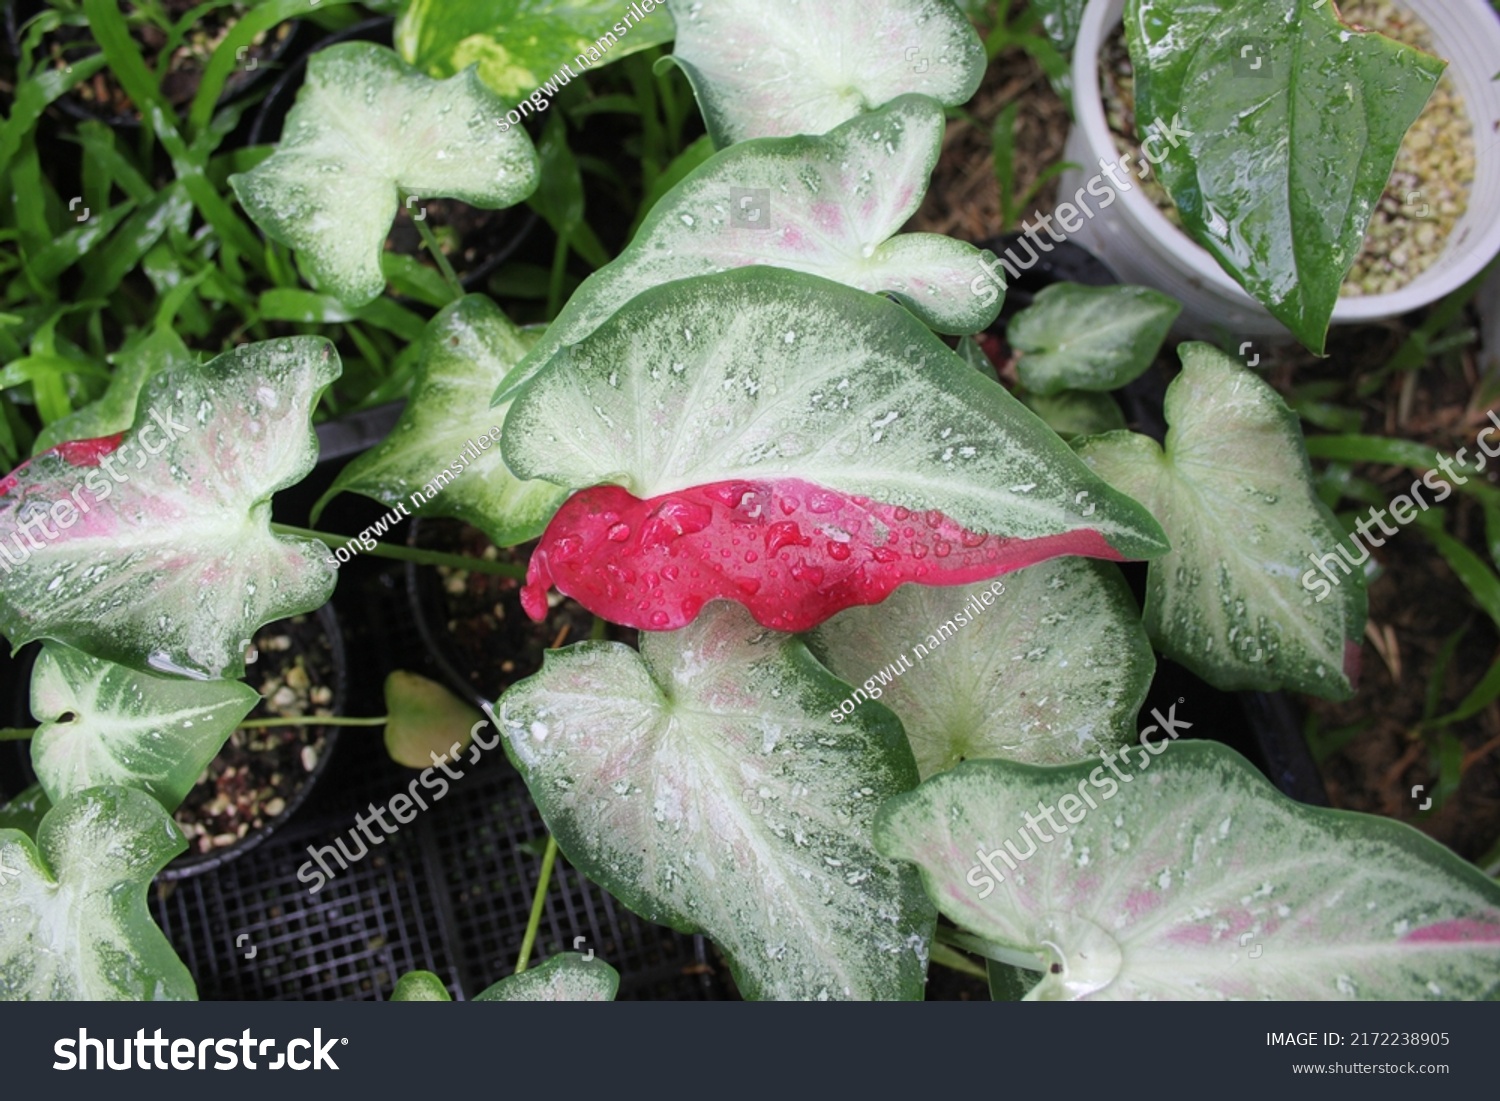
566,977
794,445
443,456
73,919
367,133
1046,667
153,549
105,724
522,46
1074,337
1187,876
1277,127
702,782
158,350
1233,490
802,67
831,206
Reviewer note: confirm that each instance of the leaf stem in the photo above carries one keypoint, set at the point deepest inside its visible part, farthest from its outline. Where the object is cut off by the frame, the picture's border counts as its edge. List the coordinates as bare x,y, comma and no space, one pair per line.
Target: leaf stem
311,720
430,240
944,956
11,734
413,554
549,857
989,949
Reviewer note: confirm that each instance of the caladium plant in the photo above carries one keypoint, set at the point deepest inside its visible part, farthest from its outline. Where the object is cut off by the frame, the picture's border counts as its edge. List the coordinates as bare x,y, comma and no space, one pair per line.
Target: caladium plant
879,616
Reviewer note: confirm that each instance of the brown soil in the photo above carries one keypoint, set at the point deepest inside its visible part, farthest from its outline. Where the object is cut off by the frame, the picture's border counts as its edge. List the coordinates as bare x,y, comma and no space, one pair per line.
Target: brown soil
467,235
490,640
260,772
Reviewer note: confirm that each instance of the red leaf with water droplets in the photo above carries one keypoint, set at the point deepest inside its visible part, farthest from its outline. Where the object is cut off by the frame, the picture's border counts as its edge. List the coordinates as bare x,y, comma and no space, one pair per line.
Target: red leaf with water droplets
793,553
74,453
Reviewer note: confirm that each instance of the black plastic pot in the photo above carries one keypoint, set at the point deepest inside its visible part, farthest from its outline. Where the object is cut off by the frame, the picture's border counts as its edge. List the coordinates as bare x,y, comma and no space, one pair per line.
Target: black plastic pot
17,774
20,12
501,237
1263,726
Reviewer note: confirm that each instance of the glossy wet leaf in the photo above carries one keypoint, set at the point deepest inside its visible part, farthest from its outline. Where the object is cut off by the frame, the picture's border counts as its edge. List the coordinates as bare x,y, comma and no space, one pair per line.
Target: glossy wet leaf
1076,412
1287,125
366,133
701,782
159,350
26,811
1195,879
425,719
103,724
166,561
799,67
1061,20
1234,600
566,977
1050,669
1074,337
420,986
829,428
74,925
521,46
831,206
467,350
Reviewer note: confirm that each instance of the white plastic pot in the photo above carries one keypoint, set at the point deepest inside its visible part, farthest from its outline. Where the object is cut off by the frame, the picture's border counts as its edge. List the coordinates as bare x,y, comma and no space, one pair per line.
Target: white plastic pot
1135,239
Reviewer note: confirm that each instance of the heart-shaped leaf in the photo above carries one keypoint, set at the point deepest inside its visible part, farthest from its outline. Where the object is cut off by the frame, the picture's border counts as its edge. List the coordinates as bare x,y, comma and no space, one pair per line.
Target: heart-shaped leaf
104,724
366,131
440,460
154,549
831,206
777,69
1074,337
1194,880
521,46
1285,126
1047,667
1234,492
424,719
702,782
567,977
73,919
842,445
159,349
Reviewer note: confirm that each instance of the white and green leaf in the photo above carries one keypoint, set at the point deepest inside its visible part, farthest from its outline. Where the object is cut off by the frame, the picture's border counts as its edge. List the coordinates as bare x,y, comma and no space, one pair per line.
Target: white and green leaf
519,46
158,350
367,133
467,350
566,977
1076,412
762,374
1194,879
1051,671
74,925
702,782
802,67
832,206
168,562
1234,492
104,724
1074,337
